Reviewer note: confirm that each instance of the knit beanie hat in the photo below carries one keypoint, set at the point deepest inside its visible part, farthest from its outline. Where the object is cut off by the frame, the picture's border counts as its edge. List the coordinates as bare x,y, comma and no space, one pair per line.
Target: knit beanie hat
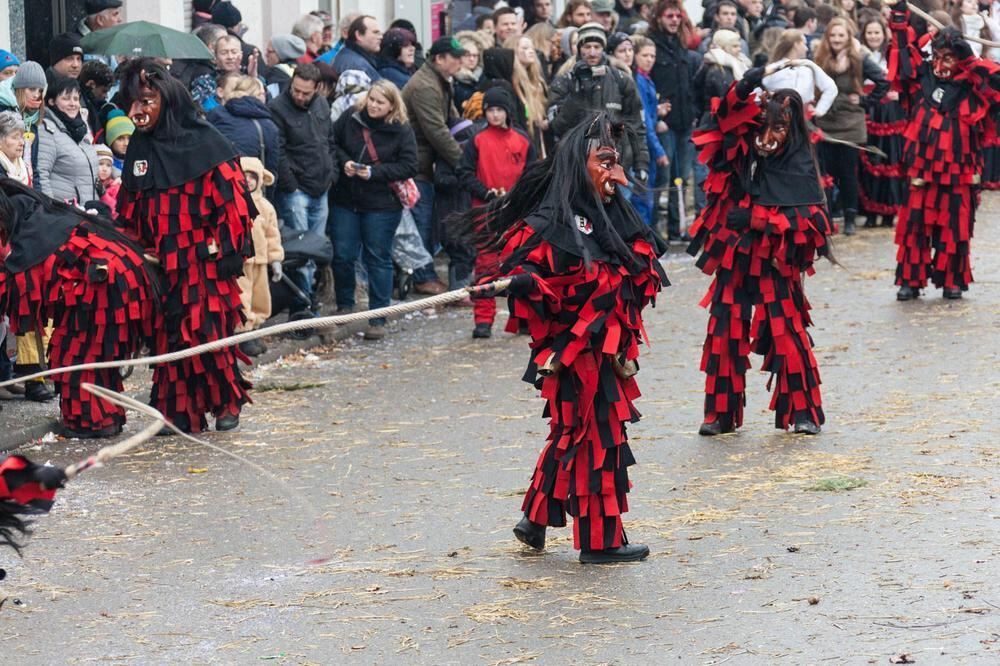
591,32
288,47
498,96
7,59
617,39
118,125
63,46
103,153
226,15
29,75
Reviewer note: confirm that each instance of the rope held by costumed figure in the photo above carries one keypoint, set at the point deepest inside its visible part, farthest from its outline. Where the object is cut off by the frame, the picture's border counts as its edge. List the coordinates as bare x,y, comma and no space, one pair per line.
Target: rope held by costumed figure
302,324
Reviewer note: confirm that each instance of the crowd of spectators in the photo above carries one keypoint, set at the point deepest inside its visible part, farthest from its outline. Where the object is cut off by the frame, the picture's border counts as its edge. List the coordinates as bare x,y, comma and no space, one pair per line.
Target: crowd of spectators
343,112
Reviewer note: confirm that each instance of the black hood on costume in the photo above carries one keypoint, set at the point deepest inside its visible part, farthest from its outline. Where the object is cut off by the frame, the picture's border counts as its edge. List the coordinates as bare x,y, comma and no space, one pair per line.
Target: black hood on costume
37,225
32,231
158,160
787,179
619,212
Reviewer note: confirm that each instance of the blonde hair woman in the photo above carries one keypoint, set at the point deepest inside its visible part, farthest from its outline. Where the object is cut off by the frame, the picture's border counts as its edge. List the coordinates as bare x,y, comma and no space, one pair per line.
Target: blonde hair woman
468,76
375,147
243,118
530,87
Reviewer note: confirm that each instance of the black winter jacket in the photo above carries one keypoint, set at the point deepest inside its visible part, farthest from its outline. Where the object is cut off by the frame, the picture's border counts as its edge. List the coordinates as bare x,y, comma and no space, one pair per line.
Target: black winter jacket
235,121
397,160
712,80
673,74
306,146
586,90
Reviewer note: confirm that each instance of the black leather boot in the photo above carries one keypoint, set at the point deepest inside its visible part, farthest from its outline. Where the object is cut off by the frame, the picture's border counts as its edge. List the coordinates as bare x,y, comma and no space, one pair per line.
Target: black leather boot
629,552
906,293
181,421
888,221
227,422
530,534
952,293
721,425
870,222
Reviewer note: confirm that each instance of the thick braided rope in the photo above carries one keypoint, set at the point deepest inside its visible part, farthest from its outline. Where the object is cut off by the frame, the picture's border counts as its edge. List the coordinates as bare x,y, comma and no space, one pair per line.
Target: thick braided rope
302,324
108,452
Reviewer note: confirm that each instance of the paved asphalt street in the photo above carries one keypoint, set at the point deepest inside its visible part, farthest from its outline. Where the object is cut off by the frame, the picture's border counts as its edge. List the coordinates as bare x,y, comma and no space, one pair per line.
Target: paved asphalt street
403,462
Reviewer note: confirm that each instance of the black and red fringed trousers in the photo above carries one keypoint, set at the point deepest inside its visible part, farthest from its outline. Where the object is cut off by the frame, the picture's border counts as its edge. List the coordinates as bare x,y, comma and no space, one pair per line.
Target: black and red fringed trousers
583,469
767,315
934,235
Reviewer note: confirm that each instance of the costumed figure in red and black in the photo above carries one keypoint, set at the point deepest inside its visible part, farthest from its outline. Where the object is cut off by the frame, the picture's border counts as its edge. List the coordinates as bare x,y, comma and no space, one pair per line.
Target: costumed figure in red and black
25,489
185,198
583,268
881,182
764,226
88,280
950,100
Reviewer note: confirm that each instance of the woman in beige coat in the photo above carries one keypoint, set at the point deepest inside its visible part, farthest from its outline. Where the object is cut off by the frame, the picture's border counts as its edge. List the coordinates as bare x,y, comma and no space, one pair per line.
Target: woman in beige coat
255,292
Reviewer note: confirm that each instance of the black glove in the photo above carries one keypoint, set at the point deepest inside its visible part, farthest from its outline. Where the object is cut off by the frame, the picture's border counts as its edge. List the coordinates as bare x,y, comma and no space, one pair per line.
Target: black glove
521,284
752,79
49,477
230,266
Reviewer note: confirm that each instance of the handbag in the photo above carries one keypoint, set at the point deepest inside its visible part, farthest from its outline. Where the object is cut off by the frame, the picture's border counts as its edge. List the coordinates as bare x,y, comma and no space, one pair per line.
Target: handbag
405,190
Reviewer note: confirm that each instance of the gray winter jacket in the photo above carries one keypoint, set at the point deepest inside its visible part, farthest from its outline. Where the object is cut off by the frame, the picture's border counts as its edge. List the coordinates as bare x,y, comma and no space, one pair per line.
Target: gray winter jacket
66,170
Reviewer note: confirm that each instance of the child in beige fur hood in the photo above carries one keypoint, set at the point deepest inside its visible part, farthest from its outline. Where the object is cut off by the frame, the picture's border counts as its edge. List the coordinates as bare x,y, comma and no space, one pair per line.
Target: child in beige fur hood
255,292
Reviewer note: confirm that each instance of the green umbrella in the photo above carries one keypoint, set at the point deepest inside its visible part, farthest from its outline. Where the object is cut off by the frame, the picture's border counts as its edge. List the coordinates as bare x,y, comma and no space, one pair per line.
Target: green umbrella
142,38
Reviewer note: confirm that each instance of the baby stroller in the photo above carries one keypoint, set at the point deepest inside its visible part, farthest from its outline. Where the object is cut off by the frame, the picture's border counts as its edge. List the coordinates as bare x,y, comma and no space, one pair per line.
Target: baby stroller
300,247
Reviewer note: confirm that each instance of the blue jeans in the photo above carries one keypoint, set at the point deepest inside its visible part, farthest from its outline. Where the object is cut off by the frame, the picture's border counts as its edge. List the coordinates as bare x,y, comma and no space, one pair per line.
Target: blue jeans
423,215
644,199
680,152
302,212
371,233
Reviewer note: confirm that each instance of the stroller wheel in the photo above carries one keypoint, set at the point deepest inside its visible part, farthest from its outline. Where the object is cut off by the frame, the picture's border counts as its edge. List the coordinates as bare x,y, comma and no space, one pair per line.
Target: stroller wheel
305,333
404,282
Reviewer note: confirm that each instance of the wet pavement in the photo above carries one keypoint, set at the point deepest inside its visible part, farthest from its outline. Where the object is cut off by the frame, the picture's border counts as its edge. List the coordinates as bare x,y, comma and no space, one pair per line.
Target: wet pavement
402,463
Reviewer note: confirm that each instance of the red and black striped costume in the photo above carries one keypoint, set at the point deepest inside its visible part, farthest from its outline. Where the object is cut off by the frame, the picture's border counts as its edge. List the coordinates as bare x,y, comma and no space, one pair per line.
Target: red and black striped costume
948,128
758,252
582,317
92,288
195,230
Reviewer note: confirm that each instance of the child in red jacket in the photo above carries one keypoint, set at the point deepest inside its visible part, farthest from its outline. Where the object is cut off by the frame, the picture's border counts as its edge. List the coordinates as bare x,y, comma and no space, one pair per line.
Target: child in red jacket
492,162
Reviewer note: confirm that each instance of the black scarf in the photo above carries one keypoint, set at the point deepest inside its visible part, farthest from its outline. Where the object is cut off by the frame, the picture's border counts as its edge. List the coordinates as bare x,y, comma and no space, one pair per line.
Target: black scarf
76,127
162,159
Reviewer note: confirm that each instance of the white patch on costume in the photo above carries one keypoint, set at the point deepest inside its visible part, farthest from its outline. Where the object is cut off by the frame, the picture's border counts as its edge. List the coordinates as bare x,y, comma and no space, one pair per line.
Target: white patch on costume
140,168
937,95
583,224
